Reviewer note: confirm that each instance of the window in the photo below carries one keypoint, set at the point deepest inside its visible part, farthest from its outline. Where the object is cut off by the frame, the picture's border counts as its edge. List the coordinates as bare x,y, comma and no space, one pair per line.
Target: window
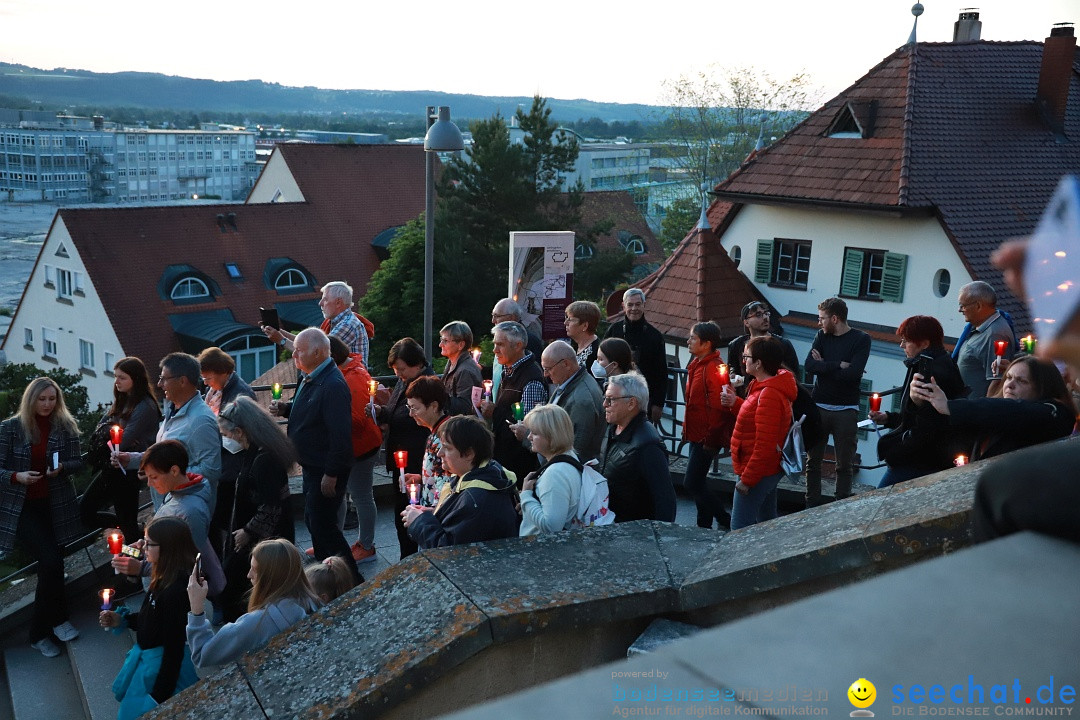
48,343
86,354
28,338
290,279
189,288
736,255
783,263
942,282
873,275
583,251
64,284
50,276
78,287
109,363
234,271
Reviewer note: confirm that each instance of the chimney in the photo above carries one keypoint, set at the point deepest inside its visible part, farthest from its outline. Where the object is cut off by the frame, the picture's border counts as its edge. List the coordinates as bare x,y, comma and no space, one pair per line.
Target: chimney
968,27
1052,96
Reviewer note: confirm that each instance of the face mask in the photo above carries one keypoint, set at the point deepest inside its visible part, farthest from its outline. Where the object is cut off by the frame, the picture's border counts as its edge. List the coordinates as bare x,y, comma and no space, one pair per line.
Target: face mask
231,445
598,369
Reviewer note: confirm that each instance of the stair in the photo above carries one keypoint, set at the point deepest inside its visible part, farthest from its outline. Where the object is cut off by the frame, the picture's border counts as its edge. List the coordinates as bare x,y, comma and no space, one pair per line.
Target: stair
96,657
41,688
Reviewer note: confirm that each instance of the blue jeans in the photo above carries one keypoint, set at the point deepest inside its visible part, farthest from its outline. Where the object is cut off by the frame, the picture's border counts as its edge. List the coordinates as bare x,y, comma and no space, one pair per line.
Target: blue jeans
696,483
320,514
757,505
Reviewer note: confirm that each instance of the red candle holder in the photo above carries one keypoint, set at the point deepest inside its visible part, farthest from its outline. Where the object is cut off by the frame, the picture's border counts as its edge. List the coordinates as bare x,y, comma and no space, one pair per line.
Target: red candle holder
875,403
116,434
401,457
115,539
1000,347
724,373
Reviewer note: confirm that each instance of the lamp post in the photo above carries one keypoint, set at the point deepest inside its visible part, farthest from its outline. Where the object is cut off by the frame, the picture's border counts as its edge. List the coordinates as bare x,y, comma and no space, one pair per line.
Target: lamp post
442,136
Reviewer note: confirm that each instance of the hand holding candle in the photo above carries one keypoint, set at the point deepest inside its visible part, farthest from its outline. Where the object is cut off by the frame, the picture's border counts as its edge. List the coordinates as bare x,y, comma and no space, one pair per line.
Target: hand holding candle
875,403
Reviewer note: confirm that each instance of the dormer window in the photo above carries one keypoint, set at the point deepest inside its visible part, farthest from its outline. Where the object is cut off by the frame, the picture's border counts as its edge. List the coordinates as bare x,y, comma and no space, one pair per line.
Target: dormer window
288,277
190,288
855,120
291,279
583,251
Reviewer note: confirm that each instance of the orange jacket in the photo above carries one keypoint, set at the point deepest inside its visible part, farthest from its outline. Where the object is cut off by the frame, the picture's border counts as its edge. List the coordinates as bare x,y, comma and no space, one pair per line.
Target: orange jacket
366,435
706,420
761,427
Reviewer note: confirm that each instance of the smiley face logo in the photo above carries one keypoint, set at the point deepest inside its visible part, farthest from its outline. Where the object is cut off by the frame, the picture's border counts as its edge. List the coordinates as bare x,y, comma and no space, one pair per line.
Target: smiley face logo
862,693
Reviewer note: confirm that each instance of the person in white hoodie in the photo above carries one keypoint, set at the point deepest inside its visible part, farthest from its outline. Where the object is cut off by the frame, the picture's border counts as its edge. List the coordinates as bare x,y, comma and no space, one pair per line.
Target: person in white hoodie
281,596
549,496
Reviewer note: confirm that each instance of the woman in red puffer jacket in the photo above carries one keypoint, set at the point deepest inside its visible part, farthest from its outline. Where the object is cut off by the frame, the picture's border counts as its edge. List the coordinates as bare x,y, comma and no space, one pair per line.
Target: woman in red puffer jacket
761,426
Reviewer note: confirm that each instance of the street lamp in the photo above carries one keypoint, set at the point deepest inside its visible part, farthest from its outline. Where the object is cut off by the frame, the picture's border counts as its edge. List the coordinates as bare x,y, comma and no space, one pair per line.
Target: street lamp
442,136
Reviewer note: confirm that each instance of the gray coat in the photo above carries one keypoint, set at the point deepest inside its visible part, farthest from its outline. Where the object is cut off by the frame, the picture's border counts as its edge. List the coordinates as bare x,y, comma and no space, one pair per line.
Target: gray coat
582,401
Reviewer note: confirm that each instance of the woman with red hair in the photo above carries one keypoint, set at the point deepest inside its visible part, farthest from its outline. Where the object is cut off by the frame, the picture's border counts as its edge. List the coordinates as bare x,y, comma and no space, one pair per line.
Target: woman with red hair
920,441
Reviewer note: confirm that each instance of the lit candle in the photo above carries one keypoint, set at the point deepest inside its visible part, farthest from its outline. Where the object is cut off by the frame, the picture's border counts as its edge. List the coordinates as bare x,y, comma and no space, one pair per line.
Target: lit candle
115,539
106,598
999,347
414,494
372,388
723,371
401,457
519,412
476,355
960,460
1028,345
116,434
275,391
487,390
875,403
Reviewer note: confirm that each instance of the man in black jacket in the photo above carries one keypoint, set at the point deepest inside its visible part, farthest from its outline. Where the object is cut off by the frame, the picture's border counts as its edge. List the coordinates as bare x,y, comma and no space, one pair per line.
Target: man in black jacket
647,344
320,426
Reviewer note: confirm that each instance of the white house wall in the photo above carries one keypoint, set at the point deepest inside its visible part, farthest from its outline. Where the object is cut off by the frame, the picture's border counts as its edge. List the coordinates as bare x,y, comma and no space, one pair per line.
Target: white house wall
275,183
82,318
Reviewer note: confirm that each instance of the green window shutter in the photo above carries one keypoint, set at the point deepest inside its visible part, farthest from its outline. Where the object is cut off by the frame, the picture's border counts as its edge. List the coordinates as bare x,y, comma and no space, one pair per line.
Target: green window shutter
763,269
892,278
852,273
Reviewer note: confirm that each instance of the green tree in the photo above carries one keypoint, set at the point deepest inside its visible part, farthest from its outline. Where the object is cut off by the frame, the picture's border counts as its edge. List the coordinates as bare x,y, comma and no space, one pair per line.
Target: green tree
394,299
14,377
682,216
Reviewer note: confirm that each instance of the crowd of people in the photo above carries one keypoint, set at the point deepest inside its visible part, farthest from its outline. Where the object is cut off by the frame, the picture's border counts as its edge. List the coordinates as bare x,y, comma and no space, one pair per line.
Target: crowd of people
547,439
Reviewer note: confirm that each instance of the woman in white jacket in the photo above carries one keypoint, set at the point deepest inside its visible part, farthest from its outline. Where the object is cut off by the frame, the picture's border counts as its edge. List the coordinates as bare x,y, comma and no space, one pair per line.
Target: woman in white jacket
281,596
550,496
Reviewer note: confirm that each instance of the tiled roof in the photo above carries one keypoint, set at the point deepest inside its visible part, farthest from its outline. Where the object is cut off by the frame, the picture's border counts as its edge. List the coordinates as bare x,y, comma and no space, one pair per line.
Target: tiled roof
953,131
618,205
353,193
697,282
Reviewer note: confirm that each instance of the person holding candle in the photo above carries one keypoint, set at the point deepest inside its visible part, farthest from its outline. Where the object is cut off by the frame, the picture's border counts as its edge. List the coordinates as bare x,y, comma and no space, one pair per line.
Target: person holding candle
478,504
400,432
707,424
550,496
366,439
281,596
261,507
426,399
39,450
462,371
920,441
761,426
159,665
135,411
974,352
582,319
613,357
757,321
1035,407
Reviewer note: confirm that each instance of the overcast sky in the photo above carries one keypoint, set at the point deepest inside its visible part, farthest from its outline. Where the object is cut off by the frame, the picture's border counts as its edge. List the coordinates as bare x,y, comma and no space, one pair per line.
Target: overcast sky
613,52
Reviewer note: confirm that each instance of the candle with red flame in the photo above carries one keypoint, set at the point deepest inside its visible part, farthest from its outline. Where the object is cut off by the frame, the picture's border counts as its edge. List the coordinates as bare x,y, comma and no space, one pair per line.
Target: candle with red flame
724,372
106,598
115,538
401,457
875,403
960,460
116,434
1000,346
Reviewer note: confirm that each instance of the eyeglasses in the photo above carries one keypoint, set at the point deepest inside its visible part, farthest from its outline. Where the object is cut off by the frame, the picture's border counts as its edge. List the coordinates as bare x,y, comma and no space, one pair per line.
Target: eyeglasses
166,378
447,341
549,368
747,358
608,400
150,544
495,316
414,408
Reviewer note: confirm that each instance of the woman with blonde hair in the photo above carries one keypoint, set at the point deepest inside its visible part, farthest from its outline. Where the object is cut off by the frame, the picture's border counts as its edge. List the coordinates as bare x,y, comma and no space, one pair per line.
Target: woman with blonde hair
281,596
39,450
549,496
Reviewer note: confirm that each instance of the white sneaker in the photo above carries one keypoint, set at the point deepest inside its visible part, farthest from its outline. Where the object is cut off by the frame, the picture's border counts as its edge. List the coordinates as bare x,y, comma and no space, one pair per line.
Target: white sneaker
65,631
47,647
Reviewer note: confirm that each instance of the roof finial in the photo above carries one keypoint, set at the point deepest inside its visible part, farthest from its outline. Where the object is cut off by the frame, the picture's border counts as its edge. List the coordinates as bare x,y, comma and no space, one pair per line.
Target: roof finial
916,10
703,221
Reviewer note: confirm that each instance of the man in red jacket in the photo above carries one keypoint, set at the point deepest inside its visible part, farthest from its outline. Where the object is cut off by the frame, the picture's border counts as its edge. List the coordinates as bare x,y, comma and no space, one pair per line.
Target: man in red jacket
707,424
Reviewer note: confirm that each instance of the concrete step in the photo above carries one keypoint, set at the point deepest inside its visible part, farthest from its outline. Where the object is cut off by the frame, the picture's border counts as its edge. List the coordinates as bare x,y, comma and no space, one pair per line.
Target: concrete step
41,688
96,656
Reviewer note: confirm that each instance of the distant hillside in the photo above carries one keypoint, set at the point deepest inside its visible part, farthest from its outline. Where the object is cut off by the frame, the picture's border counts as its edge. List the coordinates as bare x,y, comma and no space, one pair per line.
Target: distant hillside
63,87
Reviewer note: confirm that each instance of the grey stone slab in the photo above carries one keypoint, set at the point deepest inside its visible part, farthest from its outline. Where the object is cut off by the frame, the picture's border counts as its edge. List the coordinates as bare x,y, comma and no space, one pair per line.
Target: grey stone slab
370,648
684,548
660,632
788,550
224,696
41,688
997,612
96,657
563,580
929,514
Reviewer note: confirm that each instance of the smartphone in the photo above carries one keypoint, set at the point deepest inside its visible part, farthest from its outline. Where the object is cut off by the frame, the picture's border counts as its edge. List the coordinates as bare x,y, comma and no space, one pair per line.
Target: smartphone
130,551
54,461
198,569
924,366
270,317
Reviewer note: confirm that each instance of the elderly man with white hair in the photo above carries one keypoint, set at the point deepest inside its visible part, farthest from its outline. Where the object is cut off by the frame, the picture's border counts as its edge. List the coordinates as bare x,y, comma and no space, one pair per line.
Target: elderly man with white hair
522,385
647,345
633,458
340,321
320,426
